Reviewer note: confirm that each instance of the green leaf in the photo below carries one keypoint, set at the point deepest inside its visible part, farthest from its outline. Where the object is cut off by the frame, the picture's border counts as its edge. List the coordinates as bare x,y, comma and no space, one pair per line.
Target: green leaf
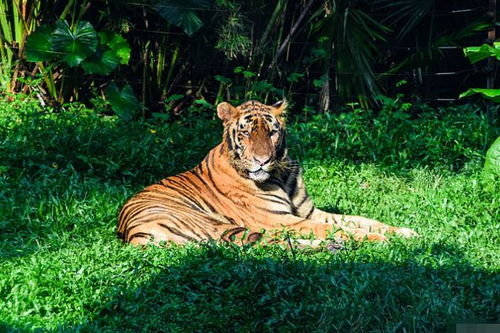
222,79
75,45
101,62
318,83
238,69
248,74
491,170
203,103
38,47
123,102
491,94
116,43
181,13
478,53
173,98
262,86
294,77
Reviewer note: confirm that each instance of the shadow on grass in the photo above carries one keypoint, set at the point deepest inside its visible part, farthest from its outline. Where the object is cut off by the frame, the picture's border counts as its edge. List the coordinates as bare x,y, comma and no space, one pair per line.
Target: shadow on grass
216,288
224,289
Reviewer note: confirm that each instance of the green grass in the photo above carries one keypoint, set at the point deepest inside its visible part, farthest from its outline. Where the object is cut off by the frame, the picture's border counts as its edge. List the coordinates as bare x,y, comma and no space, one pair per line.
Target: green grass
63,178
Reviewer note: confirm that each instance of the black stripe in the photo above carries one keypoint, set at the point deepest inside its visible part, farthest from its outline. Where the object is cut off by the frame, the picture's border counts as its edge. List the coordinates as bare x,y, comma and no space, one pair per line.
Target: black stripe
194,221
131,218
186,194
140,234
186,178
185,225
302,201
276,182
280,152
199,168
277,212
230,219
135,211
284,200
310,212
212,209
226,236
179,186
176,232
212,164
293,185
229,143
209,188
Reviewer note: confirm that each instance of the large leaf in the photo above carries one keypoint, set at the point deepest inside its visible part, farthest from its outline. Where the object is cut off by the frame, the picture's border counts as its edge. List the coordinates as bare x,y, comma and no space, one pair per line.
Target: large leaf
478,53
123,102
38,47
112,51
408,13
491,94
75,45
491,171
101,62
182,13
116,43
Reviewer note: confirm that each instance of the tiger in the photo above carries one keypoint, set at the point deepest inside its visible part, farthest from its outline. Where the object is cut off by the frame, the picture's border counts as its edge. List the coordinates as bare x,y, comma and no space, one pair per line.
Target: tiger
246,187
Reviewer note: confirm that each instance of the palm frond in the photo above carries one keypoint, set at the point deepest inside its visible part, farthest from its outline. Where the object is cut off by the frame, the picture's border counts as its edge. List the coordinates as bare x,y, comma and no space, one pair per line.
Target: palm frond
411,12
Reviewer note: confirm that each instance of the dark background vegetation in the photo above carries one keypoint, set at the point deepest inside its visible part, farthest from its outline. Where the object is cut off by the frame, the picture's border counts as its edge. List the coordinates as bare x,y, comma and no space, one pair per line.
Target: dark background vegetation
319,54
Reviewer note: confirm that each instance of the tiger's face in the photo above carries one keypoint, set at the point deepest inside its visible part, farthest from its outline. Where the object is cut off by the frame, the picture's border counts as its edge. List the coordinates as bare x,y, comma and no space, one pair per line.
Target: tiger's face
254,135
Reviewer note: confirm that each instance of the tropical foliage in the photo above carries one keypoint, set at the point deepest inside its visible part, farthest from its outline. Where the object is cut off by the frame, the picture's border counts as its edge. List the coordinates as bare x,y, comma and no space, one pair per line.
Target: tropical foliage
476,54
318,54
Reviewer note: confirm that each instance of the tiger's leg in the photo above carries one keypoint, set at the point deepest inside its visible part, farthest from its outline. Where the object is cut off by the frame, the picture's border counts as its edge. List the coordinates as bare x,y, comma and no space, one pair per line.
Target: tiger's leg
358,226
344,233
319,229
348,222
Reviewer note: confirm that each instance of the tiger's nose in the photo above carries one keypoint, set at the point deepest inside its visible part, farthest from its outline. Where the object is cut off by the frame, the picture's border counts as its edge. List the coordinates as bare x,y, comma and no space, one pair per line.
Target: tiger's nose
262,160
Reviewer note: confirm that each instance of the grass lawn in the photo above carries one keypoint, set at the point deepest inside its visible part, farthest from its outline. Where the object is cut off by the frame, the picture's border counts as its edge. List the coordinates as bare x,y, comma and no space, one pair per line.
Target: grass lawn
64,177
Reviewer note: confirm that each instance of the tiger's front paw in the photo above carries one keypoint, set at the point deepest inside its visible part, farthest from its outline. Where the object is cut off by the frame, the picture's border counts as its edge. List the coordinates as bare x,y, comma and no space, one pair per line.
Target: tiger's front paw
406,232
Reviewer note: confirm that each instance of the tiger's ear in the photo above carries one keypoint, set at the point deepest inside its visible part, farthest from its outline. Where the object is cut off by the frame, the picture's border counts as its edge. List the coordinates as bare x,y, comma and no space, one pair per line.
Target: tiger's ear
279,107
226,111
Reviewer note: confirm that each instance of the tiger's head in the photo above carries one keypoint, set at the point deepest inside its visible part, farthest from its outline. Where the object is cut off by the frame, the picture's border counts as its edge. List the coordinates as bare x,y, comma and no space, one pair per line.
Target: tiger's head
254,135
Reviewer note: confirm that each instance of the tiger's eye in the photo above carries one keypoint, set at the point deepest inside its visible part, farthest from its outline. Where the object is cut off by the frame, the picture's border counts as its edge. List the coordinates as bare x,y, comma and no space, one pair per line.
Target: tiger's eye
245,133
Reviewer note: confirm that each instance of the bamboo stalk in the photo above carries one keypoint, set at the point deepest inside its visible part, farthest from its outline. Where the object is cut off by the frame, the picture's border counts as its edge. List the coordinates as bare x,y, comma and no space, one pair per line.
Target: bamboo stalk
66,10
6,29
279,8
173,61
293,31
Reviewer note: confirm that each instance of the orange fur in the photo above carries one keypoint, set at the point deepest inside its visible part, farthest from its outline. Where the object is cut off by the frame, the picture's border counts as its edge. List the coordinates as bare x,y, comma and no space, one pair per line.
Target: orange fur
244,185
